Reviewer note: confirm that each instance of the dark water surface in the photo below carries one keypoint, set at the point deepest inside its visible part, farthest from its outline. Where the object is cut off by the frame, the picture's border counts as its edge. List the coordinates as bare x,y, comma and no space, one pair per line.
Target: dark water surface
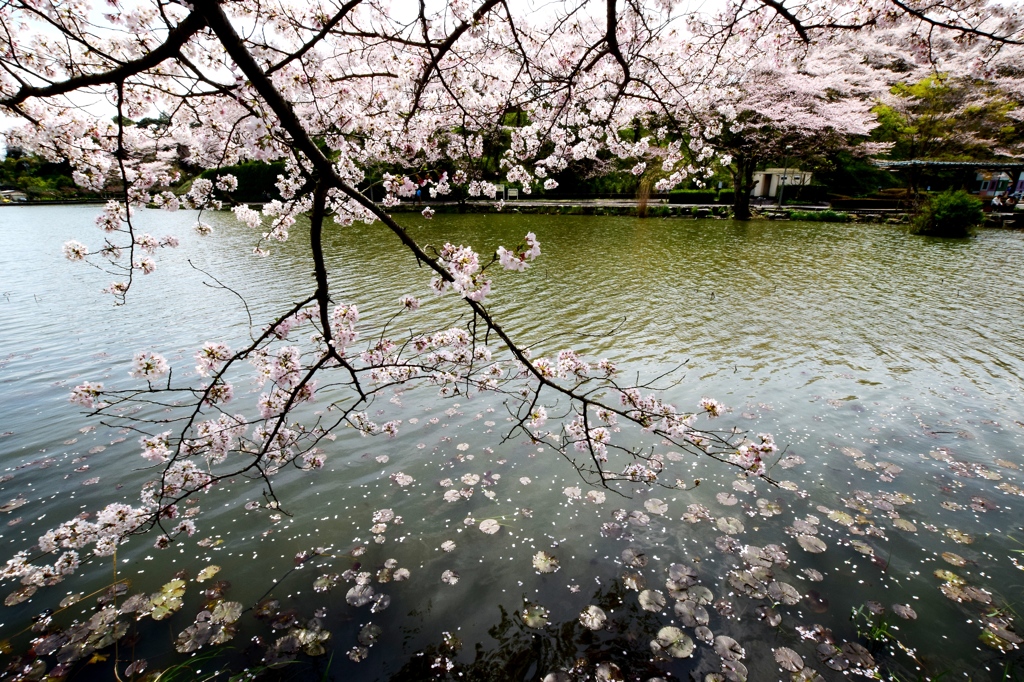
891,365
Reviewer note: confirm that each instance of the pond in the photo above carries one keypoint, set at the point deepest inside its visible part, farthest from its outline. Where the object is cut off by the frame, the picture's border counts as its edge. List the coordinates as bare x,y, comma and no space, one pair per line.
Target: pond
887,367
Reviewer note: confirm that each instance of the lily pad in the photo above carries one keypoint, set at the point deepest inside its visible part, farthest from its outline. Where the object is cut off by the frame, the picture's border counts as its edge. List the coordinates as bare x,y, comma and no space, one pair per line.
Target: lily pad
167,600
728,648
226,612
682,574
729,525
743,486
652,600
638,518
903,524
326,582
593,617
841,517
978,594
535,616
783,593
755,556
19,595
608,672
904,611
959,536
789,660
369,634
832,656
862,547
857,655
954,592
207,573
700,594
769,615
359,595
811,543
194,637
13,504
71,599
673,642
691,614
634,558
634,581
656,506
745,583
544,562
949,576
954,559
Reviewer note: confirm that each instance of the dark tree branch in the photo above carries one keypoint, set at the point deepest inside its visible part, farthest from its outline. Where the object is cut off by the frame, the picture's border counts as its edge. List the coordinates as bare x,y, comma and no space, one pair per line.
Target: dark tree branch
328,27
176,39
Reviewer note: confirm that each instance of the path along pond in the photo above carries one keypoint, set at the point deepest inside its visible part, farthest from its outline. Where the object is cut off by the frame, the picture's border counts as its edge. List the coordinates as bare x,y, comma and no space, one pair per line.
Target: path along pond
888,367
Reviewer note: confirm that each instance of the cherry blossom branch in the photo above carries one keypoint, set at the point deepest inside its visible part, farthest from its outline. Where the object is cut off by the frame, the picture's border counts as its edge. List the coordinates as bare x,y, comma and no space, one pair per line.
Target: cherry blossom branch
170,48
329,26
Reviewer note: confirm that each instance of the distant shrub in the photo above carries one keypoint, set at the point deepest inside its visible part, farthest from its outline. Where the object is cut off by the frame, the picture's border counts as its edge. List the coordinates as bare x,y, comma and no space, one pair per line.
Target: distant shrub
257,181
948,214
726,196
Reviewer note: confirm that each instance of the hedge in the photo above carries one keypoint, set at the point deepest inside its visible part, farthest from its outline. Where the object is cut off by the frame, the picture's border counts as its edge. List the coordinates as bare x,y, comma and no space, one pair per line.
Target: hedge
809,194
877,204
692,196
820,216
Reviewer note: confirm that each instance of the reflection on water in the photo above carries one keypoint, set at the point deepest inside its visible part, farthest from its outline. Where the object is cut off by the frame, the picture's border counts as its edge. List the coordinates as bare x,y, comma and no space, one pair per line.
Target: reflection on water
888,367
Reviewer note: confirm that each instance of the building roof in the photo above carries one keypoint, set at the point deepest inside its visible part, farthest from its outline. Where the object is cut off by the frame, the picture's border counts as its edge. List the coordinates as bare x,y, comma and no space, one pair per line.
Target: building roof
1006,165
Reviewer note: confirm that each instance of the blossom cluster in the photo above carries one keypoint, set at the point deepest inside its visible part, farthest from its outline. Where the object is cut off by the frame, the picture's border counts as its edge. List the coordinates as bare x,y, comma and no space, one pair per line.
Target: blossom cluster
147,365
519,260
750,455
467,278
211,356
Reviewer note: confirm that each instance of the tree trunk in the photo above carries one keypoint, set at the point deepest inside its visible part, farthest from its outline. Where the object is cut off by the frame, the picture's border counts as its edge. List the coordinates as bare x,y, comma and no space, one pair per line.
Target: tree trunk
742,183
643,195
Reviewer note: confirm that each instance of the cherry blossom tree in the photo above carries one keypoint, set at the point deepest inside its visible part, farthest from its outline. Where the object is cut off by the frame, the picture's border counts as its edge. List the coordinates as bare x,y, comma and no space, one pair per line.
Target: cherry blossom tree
331,88
787,112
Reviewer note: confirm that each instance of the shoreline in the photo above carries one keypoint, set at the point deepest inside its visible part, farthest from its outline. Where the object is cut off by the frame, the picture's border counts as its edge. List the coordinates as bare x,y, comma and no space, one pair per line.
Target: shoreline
623,208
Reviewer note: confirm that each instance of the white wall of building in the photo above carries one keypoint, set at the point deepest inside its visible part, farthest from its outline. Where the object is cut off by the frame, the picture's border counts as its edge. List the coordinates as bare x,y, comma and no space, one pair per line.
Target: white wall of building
767,182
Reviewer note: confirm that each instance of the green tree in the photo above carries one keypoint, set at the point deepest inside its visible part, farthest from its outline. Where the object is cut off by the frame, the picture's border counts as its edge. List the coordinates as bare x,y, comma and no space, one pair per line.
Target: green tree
947,118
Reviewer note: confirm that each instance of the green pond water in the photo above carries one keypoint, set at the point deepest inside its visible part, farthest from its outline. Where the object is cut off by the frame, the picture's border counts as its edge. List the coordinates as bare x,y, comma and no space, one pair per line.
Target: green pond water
888,367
